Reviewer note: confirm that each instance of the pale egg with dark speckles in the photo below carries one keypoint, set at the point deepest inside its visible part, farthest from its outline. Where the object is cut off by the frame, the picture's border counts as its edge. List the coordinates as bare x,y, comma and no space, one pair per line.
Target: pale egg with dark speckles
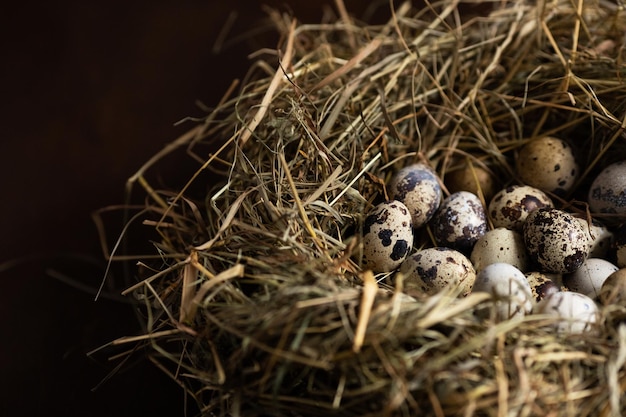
555,240
607,193
417,186
548,163
543,284
510,206
459,222
500,245
432,270
387,236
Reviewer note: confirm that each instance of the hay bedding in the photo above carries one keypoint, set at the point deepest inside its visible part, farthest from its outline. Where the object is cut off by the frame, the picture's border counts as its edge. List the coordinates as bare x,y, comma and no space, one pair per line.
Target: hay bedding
256,303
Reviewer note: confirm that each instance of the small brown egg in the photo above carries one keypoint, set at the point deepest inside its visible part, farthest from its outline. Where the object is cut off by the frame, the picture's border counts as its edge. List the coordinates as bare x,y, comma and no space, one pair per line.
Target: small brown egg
387,236
459,222
510,206
417,186
555,241
543,284
547,163
613,290
607,193
432,270
472,179
500,245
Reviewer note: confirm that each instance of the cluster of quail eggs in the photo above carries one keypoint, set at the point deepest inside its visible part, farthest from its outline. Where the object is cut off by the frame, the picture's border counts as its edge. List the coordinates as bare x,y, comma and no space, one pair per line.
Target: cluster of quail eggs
532,255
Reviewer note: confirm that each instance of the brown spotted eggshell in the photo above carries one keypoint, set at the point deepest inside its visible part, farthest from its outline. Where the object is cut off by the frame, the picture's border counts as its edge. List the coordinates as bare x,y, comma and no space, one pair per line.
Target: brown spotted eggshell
547,163
542,284
387,236
500,245
607,193
555,240
510,206
432,270
417,186
459,222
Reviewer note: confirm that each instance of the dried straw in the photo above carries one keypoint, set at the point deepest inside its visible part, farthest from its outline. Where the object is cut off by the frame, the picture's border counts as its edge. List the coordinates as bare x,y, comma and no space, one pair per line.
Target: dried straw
258,304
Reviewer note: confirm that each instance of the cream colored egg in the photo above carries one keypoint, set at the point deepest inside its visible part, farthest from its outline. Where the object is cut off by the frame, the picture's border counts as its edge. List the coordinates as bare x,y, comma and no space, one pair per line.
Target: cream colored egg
547,163
432,270
574,313
555,240
510,206
512,295
500,245
588,279
387,236
417,186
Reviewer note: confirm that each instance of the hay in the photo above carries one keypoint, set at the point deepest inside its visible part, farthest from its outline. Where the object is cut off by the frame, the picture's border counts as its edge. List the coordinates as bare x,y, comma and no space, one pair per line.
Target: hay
257,304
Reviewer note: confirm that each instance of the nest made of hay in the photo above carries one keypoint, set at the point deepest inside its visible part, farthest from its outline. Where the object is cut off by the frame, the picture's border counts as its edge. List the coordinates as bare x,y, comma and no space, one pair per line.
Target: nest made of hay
255,299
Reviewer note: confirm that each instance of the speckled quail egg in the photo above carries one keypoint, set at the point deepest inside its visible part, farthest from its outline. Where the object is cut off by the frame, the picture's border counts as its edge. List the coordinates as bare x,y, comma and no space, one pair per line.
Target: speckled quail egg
459,222
432,270
500,245
547,163
575,312
387,236
599,236
417,186
543,284
512,296
607,193
613,290
472,178
555,240
510,206
589,277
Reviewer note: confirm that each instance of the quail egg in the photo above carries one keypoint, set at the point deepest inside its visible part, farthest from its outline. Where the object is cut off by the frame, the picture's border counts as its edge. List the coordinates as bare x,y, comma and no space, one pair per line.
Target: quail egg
613,290
555,240
607,193
599,236
543,284
500,245
589,277
387,236
432,270
417,186
459,222
471,178
547,163
575,313
512,296
510,206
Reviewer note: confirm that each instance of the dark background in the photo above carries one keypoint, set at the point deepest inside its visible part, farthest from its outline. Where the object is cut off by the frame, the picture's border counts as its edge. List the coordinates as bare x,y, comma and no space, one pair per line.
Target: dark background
89,91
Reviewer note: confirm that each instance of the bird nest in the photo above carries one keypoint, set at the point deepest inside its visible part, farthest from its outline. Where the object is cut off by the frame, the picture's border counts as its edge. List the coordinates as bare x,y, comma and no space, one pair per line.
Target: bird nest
254,297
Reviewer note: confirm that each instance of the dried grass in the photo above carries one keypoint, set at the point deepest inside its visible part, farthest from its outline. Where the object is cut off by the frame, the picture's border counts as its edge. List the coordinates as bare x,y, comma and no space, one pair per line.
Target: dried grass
258,305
